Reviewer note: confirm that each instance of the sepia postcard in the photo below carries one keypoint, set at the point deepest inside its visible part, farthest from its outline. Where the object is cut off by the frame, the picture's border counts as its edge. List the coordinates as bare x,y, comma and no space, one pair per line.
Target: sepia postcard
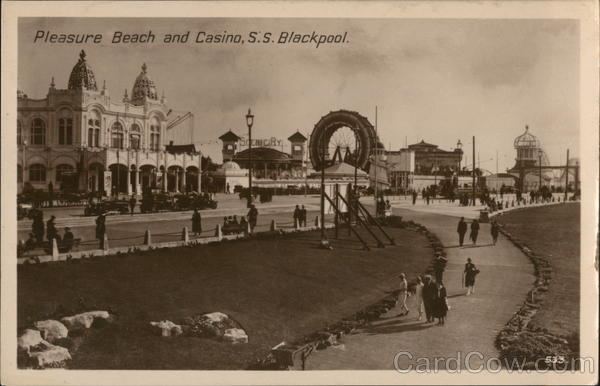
299,192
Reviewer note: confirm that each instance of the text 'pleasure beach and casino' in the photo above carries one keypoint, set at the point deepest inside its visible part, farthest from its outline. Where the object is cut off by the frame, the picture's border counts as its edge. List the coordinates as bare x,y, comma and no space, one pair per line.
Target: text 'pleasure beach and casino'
313,38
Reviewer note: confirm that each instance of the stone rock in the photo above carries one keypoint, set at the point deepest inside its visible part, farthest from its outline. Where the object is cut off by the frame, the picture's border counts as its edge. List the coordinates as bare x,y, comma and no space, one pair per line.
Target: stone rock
84,320
49,355
52,330
216,317
168,328
28,339
235,336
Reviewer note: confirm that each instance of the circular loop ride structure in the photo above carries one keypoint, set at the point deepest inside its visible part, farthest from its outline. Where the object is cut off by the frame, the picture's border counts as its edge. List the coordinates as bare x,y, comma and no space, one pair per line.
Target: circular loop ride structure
330,131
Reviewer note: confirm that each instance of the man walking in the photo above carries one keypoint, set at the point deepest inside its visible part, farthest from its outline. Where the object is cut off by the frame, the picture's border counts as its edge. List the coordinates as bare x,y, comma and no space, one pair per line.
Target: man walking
429,297
303,216
494,230
462,230
414,197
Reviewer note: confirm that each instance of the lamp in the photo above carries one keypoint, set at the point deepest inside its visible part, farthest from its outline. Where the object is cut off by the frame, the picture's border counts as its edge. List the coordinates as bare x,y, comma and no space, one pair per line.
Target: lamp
249,122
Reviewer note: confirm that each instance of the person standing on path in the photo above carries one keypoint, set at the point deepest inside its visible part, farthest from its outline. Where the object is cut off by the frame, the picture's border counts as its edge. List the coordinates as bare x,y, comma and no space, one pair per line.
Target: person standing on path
469,276
441,309
101,229
297,216
252,217
414,196
303,216
132,203
429,297
419,297
403,294
37,227
439,265
51,231
462,230
474,231
196,222
494,230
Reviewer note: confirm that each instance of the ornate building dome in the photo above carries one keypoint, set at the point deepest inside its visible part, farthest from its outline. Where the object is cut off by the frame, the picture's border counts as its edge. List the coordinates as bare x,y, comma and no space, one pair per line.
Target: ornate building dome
230,165
143,88
82,77
526,140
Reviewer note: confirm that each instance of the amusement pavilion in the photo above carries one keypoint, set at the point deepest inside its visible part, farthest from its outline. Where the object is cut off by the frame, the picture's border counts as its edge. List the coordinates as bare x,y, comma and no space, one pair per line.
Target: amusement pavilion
81,138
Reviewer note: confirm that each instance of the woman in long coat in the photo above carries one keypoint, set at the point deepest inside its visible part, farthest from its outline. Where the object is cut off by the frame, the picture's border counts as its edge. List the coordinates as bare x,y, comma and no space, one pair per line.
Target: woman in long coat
196,222
469,276
441,305
474,231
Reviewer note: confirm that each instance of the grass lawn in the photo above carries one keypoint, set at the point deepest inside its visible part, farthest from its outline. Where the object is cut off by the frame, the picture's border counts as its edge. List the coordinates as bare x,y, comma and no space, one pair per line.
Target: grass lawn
278,289
553,232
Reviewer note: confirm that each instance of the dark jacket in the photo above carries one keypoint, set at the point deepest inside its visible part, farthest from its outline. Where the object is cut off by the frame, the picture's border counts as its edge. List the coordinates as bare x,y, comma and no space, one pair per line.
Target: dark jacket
462,227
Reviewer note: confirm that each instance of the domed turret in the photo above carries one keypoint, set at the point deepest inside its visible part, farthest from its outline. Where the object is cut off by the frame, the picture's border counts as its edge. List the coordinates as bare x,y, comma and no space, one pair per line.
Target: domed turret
82,77
526,140
143,88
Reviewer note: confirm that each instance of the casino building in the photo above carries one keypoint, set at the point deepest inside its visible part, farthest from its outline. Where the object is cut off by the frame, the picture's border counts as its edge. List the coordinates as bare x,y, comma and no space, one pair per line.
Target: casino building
83,139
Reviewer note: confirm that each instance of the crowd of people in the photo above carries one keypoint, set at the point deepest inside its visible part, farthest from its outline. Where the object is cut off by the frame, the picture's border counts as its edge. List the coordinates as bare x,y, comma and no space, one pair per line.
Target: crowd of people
431,296
300,216
39,229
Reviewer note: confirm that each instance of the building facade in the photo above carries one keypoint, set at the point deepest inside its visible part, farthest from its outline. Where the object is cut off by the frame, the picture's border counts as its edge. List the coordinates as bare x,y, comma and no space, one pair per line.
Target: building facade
82,139
267,162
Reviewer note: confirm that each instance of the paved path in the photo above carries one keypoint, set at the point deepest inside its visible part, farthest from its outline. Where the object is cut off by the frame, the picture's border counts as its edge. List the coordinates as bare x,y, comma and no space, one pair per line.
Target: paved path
472,323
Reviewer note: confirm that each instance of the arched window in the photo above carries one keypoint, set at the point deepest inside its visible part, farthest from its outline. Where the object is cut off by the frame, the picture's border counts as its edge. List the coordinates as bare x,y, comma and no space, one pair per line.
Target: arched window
134,137
94,131
154,134
117,135
65,131
37,173
64,171
38,132
19,133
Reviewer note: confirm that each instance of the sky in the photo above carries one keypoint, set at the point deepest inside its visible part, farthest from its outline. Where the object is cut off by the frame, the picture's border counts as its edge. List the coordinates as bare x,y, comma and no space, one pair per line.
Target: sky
437,80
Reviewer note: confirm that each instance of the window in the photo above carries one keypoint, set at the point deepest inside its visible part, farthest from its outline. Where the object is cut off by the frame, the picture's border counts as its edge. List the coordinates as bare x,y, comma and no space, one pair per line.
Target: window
134,137
94,133
229,147
38,132
19,139
65,131
297,148
154,134
37,173
117,135
63,171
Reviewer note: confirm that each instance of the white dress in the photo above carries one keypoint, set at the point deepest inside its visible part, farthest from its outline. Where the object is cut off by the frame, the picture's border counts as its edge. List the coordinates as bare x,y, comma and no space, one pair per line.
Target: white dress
419,297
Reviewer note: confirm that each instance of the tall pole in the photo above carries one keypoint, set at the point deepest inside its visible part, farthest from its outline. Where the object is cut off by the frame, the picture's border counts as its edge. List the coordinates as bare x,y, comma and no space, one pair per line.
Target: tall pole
249,122
323,163
376,153
496,173
355,162
473,170
567,177
540,166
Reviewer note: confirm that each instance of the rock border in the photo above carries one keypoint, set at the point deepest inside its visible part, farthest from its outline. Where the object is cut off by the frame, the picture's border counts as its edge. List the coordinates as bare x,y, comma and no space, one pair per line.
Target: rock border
286,356
525,345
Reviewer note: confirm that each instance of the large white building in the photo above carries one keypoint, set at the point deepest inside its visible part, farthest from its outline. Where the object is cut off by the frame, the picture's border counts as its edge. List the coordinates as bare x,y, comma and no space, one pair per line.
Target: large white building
82,139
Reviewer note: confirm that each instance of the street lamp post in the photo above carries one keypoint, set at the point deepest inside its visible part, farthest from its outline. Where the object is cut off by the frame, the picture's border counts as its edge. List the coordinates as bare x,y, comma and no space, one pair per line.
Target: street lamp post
249,122
540,152
23,166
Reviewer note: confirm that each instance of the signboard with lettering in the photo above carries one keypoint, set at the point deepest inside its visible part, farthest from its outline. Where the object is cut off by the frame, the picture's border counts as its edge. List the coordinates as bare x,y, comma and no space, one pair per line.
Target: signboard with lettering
265,142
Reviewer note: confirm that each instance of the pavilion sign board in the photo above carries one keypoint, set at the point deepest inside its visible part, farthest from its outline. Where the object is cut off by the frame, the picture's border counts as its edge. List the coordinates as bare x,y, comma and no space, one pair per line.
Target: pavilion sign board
266,142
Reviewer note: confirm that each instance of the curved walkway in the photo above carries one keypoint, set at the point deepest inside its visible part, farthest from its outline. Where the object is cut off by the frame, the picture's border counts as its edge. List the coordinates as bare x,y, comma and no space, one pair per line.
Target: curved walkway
472,324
